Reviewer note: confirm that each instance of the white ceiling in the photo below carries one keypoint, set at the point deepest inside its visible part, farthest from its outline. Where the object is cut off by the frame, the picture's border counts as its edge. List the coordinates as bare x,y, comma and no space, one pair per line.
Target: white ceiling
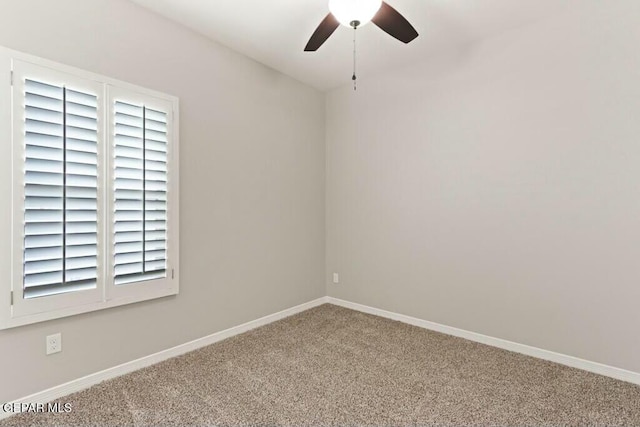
275,32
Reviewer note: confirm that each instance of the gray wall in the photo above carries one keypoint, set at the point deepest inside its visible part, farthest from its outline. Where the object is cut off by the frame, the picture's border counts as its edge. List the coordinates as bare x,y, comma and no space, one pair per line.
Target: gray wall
495,189
252,186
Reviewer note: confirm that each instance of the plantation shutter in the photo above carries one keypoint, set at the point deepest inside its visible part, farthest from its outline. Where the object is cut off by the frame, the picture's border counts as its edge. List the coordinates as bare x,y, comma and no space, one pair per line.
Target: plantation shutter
140,193
60,190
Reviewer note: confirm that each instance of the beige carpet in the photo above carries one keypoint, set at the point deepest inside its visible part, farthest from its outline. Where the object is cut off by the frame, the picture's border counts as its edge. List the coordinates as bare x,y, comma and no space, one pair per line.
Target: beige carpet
333,366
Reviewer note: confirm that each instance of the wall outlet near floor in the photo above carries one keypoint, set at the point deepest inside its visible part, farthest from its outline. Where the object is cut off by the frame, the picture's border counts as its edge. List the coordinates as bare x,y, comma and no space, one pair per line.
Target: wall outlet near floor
54,343
336,278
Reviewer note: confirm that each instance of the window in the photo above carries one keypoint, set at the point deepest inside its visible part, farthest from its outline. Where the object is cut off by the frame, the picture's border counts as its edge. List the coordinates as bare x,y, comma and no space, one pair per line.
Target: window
94,191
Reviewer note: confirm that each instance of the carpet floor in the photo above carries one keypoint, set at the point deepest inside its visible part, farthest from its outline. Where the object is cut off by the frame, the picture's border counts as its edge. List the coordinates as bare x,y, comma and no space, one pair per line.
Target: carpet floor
338,367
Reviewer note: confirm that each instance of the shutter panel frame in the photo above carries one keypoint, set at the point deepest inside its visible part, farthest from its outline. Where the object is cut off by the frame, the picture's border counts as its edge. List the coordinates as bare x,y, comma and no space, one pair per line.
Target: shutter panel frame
161,225
39,160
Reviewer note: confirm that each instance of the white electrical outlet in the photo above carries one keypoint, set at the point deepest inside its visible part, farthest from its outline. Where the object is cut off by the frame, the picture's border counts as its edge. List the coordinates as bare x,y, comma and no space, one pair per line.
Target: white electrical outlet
54,343
336,278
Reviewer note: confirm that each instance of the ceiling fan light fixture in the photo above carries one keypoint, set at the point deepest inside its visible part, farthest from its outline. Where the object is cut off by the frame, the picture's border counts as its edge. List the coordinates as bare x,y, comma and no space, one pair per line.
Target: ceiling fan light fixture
348,11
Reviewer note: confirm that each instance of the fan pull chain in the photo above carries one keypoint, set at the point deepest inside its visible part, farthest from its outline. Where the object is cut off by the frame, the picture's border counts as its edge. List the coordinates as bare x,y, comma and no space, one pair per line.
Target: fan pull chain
354,78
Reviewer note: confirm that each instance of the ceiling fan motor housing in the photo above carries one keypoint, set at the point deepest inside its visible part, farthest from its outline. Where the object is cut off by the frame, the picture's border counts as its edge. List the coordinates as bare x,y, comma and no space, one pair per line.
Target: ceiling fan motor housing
348,12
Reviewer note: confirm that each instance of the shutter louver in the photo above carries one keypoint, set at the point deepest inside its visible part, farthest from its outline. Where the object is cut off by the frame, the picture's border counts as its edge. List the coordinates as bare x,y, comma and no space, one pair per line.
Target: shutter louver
140,187
61,177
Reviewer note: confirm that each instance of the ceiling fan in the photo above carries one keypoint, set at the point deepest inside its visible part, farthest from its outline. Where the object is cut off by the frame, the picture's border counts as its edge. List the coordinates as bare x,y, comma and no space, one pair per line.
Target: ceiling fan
356,13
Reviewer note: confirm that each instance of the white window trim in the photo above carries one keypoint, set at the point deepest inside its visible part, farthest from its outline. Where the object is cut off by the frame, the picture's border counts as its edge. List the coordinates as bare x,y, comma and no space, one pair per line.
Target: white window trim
11,223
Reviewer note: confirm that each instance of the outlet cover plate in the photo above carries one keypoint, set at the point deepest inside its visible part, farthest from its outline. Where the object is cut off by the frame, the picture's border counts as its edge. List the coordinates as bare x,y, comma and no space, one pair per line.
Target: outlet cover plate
54,343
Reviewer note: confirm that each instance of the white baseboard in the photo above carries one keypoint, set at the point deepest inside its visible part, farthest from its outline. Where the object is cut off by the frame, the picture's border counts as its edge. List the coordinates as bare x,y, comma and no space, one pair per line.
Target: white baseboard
563,359
79,384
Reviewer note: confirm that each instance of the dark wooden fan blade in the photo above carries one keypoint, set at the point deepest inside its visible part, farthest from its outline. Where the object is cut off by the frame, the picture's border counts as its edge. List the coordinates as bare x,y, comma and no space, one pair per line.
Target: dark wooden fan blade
394,24
322,33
